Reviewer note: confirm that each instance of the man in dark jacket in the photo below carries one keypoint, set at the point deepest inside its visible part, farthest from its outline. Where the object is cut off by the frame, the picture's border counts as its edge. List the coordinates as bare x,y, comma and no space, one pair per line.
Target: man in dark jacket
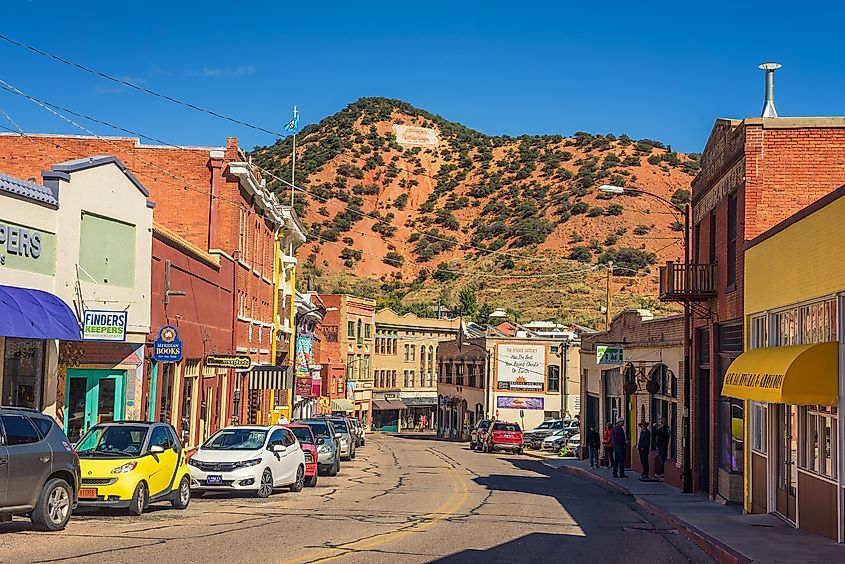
593,445
620,444
644,447
662,436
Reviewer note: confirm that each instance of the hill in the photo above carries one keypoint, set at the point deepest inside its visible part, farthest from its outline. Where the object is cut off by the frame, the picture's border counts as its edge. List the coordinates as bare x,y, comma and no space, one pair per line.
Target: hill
403,202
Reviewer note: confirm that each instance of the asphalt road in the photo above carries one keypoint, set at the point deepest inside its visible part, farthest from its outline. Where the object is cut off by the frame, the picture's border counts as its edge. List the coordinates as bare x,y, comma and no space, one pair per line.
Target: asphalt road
404,499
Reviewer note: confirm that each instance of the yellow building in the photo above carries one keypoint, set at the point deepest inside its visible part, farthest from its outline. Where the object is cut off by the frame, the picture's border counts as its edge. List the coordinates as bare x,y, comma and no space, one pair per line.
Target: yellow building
791,374
404,364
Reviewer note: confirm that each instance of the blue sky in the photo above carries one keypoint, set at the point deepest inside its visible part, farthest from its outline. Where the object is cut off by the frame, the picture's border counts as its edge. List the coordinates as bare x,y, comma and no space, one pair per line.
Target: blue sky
648,69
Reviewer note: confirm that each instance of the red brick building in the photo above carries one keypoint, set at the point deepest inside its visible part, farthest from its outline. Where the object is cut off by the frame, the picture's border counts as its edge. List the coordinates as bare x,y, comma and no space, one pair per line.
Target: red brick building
755,173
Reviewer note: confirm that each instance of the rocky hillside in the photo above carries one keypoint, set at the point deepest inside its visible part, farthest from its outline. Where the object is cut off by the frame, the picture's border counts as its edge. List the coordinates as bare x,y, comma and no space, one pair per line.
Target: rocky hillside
414,202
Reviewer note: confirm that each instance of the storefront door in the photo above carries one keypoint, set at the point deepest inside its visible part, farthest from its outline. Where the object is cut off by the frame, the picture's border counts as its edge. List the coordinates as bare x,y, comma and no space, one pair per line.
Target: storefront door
787,461
92,396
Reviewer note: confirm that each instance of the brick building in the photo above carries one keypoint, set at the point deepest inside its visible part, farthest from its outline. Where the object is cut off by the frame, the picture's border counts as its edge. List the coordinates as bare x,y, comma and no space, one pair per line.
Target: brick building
754,173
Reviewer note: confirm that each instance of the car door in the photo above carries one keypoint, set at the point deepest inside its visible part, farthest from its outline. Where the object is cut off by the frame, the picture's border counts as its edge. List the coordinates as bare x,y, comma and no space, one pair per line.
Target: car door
291,460
29,460
4,470
278,459
162,465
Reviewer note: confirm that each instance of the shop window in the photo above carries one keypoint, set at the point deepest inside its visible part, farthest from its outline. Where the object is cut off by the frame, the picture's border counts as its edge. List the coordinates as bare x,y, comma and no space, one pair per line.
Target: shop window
107,251
23,369
819,448
759,427
553,378
167,370
187,406
759,332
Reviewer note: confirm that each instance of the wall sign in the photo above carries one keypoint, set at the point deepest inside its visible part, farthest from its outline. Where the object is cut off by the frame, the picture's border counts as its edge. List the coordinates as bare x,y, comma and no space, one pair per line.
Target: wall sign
25,248
168,346
100,325
236,361
608,355
510,402
520,367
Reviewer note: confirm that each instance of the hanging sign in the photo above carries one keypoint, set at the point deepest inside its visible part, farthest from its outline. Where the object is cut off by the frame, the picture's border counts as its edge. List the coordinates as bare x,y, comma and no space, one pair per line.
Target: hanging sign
608,355
236,361
168,346
104,325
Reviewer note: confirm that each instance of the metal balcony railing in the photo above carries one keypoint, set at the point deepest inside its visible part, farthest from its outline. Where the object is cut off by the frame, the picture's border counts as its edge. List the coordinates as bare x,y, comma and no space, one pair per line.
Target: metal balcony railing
685,283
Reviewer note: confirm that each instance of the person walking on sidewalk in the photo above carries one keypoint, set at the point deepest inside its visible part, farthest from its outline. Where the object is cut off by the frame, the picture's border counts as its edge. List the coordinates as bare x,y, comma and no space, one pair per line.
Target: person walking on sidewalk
620,443
607,443
644,447
593,445
662,436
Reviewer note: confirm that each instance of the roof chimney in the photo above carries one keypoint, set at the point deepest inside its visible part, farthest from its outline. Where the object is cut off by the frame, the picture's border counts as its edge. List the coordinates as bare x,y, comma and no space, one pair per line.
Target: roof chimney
769,110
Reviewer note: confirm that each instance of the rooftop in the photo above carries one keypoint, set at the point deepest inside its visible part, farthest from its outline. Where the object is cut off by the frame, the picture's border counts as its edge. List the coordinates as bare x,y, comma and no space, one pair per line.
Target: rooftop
28,190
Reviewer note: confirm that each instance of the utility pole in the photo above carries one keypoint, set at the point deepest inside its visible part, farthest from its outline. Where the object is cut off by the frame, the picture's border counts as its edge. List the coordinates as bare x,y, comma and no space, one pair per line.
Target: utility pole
564,374
609,295
293,157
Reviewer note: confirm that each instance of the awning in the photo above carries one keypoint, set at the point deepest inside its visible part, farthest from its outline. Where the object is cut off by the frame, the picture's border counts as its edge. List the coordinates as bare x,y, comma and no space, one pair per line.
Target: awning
270,378
386,405
342,405
796,375
35,314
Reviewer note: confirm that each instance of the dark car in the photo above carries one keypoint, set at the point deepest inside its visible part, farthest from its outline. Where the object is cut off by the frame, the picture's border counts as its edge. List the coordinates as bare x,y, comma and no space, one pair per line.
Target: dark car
534,437
476,436
328,449
503,435
346,435
39,471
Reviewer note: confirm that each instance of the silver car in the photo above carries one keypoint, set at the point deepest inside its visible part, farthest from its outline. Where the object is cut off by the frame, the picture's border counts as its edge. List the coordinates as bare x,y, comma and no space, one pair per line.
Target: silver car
328,448
39,472
346,437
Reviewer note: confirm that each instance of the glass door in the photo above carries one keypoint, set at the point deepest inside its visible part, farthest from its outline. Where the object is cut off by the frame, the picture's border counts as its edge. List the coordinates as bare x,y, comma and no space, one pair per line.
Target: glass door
787,463
92,396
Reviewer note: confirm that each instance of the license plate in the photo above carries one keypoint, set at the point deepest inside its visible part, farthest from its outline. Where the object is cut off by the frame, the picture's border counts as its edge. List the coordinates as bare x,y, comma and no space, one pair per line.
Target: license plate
88,493
507,436
214,480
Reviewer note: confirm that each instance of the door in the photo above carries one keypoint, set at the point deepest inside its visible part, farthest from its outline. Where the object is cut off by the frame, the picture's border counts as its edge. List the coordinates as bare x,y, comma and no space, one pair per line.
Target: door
163,465
787,461
28,460
290,459
4,474
278,459
91,397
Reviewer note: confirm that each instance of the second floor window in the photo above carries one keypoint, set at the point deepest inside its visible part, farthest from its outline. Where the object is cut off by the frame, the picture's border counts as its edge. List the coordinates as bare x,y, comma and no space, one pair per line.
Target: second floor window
350,330
732,236
553,378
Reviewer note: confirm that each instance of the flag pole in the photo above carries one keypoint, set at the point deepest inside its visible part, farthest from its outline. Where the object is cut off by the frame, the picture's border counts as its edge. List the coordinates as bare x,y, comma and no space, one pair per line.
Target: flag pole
293,161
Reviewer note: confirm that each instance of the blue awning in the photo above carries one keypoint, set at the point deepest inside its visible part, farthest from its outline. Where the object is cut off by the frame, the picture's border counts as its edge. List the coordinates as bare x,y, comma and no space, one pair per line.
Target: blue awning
35,314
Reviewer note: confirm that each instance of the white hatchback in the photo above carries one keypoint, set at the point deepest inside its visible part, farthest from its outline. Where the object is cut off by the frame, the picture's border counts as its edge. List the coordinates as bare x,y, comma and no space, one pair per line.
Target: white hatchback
248,458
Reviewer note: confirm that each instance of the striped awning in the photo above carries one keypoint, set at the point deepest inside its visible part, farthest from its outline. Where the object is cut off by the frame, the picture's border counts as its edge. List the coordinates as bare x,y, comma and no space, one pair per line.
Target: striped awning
270,378
342,404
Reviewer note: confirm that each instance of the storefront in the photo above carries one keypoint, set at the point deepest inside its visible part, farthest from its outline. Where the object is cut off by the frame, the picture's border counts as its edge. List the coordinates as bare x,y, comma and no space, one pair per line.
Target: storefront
787,385
388,413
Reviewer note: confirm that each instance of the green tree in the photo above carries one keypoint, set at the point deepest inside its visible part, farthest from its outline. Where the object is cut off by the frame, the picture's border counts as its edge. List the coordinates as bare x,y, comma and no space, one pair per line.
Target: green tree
581,254
467,303
484,312
681,197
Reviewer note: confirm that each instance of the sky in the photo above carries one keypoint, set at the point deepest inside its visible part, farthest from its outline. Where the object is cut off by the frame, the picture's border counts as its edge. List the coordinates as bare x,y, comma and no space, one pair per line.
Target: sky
660,70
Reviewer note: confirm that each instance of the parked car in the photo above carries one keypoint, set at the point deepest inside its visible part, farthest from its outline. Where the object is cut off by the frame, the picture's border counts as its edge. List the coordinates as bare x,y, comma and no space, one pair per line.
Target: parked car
476,436
306,439
503,436
254,458
345,436
358,427
39,472
534,438
131,464
572,426
573,444
555,440
328,449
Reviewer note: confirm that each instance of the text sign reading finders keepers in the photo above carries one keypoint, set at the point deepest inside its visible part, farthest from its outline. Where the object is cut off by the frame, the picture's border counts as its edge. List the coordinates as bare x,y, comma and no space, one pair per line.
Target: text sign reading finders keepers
25,248
104,326
521,367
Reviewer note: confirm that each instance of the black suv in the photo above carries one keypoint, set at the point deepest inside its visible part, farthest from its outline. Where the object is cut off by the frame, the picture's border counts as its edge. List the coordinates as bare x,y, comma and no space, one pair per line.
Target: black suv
39,471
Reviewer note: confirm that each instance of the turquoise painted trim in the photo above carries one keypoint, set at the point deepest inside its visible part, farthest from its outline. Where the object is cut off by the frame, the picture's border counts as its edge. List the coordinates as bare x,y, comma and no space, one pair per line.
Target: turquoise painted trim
92,392
151,403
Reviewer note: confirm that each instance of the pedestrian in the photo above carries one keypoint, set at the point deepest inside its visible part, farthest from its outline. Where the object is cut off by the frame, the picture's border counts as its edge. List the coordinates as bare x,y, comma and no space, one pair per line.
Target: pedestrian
662,436
607,443
593,445
644,447
620,444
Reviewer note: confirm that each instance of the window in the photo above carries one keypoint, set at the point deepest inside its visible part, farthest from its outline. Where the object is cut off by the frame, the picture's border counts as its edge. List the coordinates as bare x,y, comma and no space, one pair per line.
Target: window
43,424
553,378
732,229
712,236
696,243
759,427
413,353
818,449
448,373
459,374
187,403
393,379
19,431
407,355
759,332
160,437
360,334
350,330
368,330
23,366
412,378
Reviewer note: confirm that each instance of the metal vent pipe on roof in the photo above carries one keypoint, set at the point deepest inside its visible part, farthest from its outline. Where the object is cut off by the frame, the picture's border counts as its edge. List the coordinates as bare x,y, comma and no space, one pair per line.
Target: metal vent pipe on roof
769,110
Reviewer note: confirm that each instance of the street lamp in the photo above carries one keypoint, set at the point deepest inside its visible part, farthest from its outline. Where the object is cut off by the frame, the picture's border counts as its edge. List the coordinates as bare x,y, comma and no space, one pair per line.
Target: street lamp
685,210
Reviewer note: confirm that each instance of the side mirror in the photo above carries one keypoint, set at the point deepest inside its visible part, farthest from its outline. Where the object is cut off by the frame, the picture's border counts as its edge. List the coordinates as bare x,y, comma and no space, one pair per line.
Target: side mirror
156,449
321,440
278,447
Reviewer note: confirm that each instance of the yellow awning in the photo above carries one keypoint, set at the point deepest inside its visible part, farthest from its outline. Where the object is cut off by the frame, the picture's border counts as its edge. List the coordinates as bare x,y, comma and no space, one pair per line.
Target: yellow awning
796,375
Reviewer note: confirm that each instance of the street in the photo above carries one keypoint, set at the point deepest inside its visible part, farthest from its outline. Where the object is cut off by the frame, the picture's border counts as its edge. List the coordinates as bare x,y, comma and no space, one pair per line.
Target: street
404,499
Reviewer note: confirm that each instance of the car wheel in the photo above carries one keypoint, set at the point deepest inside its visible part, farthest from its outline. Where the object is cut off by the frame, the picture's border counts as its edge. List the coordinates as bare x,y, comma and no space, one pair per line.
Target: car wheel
471,445
183,495
52,510
519,451
352,456
139,500
265,486
300,480
311,481
334,469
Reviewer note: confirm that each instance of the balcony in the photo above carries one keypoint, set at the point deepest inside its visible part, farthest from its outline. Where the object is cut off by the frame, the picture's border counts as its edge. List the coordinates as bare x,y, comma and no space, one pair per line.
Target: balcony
687,283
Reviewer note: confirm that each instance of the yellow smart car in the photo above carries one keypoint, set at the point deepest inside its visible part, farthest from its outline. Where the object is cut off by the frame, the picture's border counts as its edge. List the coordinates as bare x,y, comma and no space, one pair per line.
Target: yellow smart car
130,464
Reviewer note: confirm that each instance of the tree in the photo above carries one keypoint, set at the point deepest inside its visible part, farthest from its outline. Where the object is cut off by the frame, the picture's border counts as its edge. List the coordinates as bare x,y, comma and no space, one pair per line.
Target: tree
443,274
393,259
581,254
681,197
614,209
467,303
484,313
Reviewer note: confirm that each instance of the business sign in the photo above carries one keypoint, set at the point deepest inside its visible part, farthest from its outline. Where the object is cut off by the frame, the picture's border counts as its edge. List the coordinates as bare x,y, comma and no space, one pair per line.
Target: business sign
608,355
510,402
302,386
236,361
520,367
304,355
168,346
25,248
104,325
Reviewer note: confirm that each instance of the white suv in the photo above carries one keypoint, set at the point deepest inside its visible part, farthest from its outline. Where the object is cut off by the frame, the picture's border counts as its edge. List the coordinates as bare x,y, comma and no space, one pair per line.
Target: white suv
248,458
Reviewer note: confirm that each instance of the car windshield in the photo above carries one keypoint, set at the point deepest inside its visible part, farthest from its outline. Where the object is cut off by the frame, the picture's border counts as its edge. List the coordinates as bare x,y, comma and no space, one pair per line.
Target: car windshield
104,441
303,435
483,425
340,425
506,427
236,439
319,429
545,425
557,433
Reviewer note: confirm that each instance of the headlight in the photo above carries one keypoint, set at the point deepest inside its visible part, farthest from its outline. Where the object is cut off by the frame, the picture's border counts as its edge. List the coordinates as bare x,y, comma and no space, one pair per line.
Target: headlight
125,469
248,463
343,440
192,462
325,448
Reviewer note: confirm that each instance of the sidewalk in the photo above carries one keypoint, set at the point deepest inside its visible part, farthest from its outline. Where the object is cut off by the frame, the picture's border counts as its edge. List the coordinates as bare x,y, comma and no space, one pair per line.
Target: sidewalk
723,532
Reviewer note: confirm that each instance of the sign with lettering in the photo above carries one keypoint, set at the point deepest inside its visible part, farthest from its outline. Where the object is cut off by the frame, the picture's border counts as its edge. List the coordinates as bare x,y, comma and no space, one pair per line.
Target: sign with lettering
521,367
25,248
754,380
510,402
104,325
608,355
168,346
236,361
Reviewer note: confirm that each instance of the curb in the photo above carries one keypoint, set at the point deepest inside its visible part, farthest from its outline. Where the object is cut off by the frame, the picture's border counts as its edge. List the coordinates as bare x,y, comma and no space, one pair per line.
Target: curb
712,546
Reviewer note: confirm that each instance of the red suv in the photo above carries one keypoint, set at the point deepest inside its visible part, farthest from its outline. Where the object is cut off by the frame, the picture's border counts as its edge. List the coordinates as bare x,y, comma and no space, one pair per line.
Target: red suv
503,436
306,439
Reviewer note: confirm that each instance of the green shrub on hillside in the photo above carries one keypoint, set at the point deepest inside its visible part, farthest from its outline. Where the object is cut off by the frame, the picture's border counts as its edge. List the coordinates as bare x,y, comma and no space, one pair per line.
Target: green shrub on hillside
581,254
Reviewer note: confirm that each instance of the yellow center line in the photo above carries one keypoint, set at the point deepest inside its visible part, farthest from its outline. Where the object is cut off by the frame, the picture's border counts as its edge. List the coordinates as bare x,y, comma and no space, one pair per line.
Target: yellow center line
423,523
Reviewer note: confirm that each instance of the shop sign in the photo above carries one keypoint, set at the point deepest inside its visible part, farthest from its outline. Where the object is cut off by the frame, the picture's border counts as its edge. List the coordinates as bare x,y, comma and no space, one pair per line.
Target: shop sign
303,387
608,355
104,325
316,386
509,402
304,354
236,361
520,367
25,248
168,346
